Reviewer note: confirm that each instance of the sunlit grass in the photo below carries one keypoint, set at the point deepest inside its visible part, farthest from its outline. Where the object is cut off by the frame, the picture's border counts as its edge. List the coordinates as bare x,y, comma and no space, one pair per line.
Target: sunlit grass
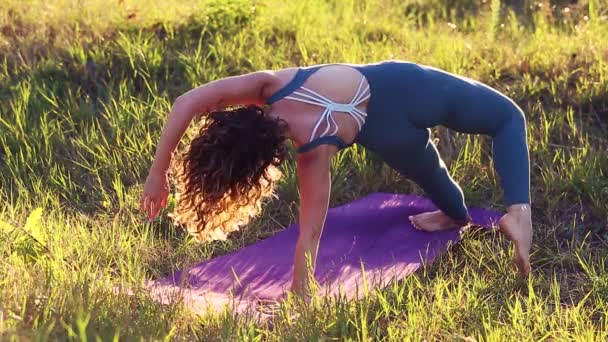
84,90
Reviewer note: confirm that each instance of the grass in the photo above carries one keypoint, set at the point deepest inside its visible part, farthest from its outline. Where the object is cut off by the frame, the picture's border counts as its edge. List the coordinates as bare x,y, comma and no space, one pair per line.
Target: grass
84,90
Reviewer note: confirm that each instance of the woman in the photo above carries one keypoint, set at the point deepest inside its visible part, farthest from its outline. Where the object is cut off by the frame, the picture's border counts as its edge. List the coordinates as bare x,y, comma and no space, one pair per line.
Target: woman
388,107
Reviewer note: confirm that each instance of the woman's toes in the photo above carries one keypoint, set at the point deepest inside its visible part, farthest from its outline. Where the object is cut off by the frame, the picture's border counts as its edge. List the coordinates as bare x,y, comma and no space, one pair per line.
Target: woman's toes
413,222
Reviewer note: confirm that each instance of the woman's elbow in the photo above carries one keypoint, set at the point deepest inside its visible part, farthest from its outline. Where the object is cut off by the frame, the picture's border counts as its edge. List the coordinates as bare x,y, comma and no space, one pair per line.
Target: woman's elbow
181,103
184,107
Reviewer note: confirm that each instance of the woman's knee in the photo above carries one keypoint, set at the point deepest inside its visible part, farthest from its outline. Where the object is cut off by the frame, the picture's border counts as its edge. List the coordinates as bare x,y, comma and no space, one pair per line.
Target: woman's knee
512,129
517,117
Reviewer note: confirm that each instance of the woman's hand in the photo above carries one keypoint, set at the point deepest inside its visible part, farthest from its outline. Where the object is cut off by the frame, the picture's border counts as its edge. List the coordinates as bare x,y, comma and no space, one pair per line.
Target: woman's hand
156,191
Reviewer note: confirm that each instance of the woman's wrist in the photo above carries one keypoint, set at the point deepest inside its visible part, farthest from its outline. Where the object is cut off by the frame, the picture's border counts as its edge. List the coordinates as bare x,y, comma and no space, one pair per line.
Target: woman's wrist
159,168
162,160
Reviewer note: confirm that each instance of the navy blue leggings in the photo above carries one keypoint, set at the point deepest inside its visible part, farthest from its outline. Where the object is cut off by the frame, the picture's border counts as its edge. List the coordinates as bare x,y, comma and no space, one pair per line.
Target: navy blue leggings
510,156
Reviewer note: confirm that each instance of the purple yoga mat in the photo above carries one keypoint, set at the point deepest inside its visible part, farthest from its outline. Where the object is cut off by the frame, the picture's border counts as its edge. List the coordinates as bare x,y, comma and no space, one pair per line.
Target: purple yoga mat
371,236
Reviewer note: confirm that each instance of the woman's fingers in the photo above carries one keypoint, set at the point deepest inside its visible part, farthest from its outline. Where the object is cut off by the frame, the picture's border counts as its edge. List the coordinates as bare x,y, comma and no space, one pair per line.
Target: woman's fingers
142,202
152,206
145,204
155,210
152,210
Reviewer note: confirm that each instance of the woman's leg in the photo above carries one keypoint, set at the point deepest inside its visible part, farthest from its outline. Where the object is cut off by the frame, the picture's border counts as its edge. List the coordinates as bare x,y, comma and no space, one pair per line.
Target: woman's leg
434,178
511,161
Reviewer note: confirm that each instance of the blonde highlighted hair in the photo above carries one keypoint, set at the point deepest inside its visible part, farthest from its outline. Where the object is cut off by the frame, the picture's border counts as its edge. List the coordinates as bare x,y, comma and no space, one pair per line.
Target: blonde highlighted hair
227,171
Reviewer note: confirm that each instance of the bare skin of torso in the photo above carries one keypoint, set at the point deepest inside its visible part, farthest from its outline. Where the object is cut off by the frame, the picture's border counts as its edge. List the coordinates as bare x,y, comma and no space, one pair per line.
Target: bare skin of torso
337,82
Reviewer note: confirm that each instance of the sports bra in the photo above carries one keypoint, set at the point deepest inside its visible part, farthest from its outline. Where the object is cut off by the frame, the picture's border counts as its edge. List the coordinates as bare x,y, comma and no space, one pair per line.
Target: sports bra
294,90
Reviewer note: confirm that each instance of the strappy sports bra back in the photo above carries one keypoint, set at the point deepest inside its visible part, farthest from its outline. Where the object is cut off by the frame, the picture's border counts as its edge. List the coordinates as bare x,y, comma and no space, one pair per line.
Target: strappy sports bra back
294,90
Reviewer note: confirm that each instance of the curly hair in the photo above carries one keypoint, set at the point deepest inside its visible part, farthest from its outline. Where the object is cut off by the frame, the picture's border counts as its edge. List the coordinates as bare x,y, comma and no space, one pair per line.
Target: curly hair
228,170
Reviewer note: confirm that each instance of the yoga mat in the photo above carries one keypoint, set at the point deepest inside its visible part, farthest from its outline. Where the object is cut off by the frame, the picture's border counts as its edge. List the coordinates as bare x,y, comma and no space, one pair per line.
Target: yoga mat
371,236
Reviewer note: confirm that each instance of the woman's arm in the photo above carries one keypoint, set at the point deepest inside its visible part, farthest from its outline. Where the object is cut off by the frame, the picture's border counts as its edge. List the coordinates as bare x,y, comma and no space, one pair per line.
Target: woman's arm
245,89
314,179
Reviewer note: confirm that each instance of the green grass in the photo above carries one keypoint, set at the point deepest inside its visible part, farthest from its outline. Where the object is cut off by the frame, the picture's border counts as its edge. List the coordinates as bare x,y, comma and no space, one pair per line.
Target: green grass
84,90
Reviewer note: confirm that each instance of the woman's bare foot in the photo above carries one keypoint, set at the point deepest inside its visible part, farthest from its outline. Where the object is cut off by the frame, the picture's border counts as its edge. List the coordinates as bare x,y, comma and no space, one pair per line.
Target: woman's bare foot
516,224
433,221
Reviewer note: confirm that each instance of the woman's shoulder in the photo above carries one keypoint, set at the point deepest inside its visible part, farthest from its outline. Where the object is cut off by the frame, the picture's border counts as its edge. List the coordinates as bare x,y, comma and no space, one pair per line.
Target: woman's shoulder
278,78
